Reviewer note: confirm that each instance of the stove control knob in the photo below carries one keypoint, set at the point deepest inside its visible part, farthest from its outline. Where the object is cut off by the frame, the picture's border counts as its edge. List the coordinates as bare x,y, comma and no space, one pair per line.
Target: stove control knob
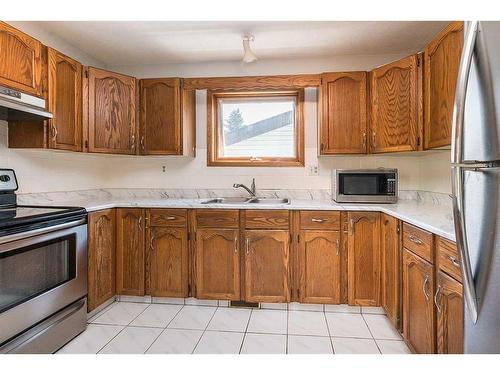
4,178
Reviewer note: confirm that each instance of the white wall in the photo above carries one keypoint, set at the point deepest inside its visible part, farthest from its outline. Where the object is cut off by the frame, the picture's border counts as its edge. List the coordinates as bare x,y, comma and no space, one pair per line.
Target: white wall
42,170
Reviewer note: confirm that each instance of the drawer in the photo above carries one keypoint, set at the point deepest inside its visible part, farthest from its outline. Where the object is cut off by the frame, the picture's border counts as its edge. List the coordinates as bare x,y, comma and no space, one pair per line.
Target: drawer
329,220
217,218
448,259
419,241
164,217
267,219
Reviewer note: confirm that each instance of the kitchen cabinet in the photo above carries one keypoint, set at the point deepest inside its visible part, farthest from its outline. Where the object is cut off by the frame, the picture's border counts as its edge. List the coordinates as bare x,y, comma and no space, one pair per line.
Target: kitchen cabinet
390,266
396,106
441,63
111,99
267,265
418,308
450,315
167,117
130,247
217,263
167,267
22,61
343,118
101,257
364,258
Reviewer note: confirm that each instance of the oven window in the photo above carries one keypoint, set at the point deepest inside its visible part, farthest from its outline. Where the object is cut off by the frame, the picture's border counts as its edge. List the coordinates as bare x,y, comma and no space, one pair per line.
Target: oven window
363,184
30,271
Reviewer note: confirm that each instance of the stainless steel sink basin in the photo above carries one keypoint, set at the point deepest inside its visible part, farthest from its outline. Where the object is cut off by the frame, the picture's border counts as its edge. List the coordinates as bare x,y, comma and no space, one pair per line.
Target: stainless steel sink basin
249,201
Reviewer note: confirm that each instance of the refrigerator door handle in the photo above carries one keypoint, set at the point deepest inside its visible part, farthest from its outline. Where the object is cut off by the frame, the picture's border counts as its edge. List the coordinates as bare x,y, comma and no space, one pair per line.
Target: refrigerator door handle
461,93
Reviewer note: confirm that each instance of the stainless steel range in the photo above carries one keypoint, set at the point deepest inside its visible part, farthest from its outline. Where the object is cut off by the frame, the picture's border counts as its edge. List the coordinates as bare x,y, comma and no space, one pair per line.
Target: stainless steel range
43,273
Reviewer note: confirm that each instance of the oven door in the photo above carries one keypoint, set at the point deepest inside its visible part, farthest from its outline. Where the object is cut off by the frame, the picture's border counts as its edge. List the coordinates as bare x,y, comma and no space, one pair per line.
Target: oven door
41,272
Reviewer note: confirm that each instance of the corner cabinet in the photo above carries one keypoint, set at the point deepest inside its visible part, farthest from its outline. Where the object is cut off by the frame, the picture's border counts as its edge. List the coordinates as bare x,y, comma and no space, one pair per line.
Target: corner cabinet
441,63
101,257
364,258
111,107
167,117
21,61
396,106
342,113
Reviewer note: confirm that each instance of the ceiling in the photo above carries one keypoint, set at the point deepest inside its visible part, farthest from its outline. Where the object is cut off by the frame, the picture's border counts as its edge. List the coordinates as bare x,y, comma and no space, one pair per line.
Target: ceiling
127,43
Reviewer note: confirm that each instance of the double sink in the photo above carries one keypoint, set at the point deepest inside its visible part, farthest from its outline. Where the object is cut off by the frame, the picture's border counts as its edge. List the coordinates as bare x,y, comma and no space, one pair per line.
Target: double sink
250,201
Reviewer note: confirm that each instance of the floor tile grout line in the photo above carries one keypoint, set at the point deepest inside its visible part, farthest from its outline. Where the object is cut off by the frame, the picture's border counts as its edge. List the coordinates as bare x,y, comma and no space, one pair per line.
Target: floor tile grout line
371,333
287,325
163,330
205,330
329,333
102,347
246,331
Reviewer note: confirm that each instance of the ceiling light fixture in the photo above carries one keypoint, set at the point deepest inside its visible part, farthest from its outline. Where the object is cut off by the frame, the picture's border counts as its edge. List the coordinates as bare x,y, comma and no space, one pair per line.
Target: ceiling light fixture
248,56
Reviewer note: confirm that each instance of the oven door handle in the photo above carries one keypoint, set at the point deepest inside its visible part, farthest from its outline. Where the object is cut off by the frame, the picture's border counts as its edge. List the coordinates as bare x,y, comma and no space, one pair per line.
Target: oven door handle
39,231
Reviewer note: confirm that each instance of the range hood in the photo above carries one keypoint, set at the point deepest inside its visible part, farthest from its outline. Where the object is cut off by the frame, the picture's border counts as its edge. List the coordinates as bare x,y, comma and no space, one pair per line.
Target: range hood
17,106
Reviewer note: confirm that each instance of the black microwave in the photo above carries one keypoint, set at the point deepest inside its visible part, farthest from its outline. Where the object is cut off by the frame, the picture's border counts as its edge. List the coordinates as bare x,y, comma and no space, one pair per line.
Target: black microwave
365,185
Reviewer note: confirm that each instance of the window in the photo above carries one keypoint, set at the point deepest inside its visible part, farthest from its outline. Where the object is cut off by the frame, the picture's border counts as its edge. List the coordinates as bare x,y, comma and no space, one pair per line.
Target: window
256,128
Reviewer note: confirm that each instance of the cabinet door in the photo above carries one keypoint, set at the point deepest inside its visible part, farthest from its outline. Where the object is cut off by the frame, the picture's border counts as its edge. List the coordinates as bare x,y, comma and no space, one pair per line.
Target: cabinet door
319,267
343,113
441,62
364,258
101,254
450,315
160,122
267,265
418,307
21,66
217,264
395,102
130,251
111,106
65,102
168,267
391,266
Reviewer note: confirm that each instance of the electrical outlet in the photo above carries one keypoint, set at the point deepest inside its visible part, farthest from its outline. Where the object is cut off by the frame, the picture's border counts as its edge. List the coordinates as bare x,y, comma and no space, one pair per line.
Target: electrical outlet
313,170
163,168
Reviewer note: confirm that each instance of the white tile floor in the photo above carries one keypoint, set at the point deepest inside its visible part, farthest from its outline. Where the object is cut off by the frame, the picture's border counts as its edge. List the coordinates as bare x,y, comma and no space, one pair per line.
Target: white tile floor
130,327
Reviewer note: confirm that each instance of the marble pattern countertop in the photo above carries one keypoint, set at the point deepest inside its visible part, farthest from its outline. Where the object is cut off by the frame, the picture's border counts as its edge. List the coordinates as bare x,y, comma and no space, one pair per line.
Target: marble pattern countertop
432,212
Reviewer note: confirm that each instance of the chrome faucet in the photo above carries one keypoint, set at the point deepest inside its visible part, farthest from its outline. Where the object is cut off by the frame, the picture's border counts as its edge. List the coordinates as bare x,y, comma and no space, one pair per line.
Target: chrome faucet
251,191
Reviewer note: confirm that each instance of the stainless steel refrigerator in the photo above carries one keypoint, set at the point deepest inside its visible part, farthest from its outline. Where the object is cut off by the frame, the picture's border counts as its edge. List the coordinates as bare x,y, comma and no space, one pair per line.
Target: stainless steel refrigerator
476,183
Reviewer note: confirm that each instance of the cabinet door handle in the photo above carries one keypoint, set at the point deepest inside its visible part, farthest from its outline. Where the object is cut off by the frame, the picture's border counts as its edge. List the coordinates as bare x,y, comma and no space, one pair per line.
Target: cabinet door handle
142,143
438,292
424,288
415,240
236,243
454,261
140,222
151,244
247,245
54,132
374,139
337,244
364,141
132,142
314,220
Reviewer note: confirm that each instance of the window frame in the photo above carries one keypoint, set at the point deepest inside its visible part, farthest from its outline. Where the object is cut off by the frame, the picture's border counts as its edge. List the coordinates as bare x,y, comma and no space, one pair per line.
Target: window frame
213,159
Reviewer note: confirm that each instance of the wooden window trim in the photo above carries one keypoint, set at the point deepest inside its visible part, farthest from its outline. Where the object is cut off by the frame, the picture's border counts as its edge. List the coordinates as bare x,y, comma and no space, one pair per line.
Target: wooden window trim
212,129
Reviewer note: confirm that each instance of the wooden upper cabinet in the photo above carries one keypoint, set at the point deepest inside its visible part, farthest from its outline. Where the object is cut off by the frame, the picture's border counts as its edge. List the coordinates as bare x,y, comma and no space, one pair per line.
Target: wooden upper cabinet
217,264
418,305
390,266
450,315
111,112
396,94
130,243
441,62
21,65
65,102
167,118
319,267
101,254
267,266
342,104
364,258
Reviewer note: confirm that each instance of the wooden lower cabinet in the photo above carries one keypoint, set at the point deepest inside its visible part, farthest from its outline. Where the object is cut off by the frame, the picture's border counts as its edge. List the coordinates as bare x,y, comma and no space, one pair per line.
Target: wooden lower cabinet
217,264
168,262
418,305
450,315
267,266
319,267
364,258
101,257
390,245
130,243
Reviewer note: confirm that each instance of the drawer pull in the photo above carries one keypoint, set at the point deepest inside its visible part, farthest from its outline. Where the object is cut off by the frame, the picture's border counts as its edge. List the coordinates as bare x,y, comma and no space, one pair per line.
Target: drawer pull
314,220
169,217
424,288
415,240
436,296
454,261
